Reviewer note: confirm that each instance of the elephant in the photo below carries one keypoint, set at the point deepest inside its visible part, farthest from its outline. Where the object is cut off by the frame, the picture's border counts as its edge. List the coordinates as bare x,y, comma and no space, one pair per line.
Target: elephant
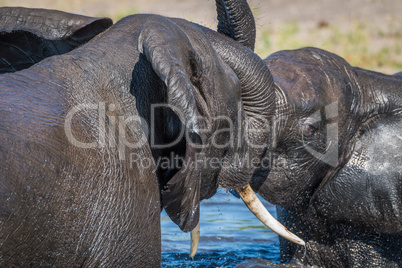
334,160
31,35
336,173
82,133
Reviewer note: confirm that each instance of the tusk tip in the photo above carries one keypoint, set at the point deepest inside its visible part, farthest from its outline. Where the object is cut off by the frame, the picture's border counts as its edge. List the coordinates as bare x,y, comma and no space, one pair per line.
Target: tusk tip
251,200
300,242
195,238
294,238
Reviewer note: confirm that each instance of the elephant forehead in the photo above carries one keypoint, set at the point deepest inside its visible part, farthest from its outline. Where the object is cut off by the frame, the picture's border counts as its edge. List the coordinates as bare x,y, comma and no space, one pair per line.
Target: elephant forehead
309,76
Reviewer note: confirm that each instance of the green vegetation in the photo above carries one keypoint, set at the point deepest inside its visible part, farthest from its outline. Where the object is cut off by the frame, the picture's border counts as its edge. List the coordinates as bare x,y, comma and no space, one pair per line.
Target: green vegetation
361,45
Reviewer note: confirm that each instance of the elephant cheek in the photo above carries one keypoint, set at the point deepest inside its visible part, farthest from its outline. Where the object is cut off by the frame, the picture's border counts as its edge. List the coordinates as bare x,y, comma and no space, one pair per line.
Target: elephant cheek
233,176
279,189
274,195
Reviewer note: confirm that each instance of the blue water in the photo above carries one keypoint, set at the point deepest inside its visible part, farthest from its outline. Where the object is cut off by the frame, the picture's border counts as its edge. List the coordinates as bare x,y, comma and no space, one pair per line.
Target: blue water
229,234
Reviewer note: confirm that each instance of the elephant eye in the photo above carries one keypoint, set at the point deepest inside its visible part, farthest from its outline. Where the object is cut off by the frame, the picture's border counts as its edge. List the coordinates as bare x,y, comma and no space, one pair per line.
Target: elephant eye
308,129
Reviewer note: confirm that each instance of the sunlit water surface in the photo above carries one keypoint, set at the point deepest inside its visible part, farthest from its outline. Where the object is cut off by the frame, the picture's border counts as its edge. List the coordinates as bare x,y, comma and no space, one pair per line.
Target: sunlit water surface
230,234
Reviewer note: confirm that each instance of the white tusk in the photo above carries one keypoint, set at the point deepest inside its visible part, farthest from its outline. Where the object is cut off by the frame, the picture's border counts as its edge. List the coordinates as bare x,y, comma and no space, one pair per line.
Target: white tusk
195,238
254,204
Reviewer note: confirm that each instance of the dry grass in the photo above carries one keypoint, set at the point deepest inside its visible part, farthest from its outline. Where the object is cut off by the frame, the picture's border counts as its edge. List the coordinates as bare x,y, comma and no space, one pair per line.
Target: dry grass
361,45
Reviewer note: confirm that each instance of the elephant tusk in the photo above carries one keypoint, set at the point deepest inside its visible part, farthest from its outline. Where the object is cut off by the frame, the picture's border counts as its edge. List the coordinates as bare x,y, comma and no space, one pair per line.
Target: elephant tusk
195,238
254,204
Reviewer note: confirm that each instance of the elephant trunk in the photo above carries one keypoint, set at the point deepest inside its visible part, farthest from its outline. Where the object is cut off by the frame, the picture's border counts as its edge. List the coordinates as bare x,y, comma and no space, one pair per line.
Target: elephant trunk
257,84
258,103
236,21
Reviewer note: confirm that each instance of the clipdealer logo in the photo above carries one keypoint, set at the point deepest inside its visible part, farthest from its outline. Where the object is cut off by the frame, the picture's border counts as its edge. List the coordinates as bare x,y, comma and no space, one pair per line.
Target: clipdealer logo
133,131
330,156
115,133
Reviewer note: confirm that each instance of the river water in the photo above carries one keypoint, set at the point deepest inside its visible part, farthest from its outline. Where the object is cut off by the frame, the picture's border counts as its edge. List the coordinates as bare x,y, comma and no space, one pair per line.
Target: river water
229,234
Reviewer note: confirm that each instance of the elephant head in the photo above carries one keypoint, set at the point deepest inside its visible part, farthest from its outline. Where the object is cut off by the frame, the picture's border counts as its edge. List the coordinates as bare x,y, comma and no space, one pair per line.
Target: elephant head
330,119
223,109
334,150
242,94
27,36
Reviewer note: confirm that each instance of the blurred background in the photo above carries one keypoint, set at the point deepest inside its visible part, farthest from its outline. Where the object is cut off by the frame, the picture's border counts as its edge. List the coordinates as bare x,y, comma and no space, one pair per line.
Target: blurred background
367,33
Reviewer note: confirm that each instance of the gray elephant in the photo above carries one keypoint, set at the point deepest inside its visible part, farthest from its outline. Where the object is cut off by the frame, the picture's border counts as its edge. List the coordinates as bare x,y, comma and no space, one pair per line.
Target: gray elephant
30,35
74,126
335,163
337,176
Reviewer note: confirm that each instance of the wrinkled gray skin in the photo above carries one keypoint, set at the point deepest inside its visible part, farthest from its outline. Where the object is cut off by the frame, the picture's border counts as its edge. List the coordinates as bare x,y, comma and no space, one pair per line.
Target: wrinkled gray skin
347,207
335,159
67,206
30,35
346,216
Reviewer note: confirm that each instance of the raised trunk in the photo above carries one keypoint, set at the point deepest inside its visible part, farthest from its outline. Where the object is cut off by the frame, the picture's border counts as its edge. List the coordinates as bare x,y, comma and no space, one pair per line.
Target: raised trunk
258,99
236,21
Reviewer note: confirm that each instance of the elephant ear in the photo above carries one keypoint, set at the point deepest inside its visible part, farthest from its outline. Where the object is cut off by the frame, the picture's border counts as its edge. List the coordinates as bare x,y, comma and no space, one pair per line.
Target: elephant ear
194,76
367,191
28,36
